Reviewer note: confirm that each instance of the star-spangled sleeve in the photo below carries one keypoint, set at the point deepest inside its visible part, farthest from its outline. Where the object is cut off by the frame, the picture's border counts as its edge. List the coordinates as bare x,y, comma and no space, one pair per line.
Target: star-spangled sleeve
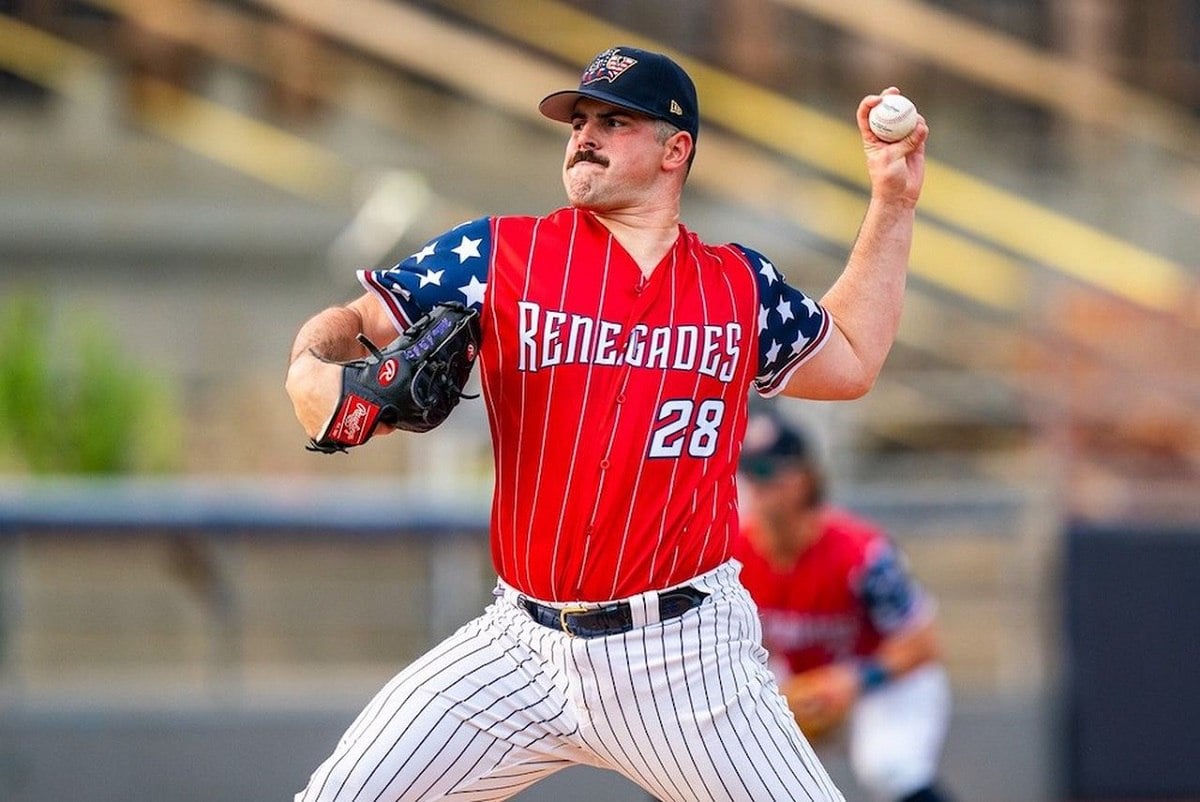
451,267
891,597
791,326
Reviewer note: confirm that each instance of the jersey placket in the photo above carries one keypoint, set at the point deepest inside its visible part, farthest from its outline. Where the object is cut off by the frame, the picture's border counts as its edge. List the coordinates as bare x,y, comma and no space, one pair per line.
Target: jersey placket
646,292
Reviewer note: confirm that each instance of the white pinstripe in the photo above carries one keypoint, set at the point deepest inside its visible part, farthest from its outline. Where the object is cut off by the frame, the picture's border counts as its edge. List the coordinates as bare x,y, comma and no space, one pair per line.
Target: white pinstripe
686,708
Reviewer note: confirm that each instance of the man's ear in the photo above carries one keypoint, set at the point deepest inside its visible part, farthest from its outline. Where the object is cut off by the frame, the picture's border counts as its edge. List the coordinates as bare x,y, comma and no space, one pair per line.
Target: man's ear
678,151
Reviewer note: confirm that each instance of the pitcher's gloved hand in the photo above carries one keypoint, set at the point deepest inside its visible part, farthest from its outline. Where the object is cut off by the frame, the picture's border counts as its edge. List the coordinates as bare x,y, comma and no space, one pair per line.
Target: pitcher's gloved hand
412,384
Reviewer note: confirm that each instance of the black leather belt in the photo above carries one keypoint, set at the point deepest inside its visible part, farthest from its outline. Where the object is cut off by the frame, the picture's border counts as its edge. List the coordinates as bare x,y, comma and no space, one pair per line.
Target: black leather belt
611,619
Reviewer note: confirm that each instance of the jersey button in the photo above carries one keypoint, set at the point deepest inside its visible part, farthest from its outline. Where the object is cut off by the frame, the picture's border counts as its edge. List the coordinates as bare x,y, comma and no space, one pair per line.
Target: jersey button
621,398
604,464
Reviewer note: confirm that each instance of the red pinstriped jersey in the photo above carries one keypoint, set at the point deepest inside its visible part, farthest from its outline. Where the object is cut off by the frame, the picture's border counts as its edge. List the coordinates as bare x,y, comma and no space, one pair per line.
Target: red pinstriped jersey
841,597
617,402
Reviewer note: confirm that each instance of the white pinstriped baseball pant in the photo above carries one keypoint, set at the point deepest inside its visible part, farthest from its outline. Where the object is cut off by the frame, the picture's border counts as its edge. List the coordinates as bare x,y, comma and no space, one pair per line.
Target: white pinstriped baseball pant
685,708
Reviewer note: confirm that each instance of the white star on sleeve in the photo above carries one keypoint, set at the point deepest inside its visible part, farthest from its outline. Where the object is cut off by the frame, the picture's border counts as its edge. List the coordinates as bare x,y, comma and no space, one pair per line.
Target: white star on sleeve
800,344
474,290
432,277
467,249
785,310
763,312
811,306
768,270
773,351
421,254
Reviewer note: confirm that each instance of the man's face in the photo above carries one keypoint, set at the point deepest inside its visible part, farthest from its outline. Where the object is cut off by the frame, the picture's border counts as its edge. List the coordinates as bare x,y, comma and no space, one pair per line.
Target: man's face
613,158
782,495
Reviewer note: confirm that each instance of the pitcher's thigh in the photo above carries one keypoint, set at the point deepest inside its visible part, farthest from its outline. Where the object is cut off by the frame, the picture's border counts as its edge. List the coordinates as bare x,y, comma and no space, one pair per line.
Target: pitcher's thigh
467,718
759,753
692,717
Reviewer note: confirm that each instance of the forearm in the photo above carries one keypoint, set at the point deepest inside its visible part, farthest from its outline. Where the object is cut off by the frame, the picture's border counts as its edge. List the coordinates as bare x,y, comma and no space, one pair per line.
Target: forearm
901,653
330,334
313,378
867,299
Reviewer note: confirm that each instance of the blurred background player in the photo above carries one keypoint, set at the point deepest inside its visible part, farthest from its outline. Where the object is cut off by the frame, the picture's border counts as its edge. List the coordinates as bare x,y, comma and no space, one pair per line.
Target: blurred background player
851,636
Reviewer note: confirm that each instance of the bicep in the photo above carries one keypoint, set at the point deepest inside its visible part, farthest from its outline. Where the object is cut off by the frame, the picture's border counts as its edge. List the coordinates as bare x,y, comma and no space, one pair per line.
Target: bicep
834,373
803,352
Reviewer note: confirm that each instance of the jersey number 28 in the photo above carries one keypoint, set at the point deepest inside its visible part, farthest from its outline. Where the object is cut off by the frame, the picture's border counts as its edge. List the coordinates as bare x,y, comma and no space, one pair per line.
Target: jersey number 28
682,421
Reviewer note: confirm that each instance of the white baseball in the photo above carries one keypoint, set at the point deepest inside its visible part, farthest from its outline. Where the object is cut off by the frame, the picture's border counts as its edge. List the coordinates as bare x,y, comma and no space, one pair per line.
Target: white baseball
894,118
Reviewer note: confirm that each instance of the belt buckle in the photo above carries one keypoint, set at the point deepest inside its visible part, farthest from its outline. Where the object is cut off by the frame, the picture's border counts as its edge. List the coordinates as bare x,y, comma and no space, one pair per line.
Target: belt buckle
569,610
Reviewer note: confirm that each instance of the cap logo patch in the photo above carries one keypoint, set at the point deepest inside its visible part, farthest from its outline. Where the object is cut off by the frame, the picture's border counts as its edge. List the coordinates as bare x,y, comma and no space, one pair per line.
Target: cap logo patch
607,66
676,108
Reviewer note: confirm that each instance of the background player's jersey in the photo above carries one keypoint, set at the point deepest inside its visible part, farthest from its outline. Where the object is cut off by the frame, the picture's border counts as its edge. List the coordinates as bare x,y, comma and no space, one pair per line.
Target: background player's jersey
617,402
844,593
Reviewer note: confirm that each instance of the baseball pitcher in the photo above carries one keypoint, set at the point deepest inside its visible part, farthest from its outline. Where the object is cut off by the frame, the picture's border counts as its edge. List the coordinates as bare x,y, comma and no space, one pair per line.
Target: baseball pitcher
616,351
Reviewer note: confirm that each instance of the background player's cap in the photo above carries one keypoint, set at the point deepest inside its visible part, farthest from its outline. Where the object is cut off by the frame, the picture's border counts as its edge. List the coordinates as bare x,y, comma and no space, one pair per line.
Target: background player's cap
770,445
638,80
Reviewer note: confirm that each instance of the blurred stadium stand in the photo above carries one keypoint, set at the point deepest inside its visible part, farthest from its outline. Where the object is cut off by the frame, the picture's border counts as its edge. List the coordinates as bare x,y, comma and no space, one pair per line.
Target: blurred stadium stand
204,174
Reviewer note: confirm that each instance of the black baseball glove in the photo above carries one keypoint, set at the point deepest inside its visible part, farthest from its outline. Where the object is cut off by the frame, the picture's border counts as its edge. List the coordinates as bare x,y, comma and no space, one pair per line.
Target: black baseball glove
412,384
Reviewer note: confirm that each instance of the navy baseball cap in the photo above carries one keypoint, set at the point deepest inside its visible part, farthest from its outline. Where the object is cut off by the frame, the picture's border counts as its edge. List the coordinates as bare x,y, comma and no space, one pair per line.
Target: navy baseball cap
770,444
638,80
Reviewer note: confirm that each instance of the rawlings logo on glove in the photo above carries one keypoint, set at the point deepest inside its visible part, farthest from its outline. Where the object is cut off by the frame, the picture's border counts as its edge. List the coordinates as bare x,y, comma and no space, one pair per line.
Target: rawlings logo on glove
412,384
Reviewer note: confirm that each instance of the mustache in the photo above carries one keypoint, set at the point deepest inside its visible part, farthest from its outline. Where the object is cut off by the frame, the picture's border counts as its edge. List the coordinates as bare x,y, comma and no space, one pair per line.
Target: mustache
587,156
